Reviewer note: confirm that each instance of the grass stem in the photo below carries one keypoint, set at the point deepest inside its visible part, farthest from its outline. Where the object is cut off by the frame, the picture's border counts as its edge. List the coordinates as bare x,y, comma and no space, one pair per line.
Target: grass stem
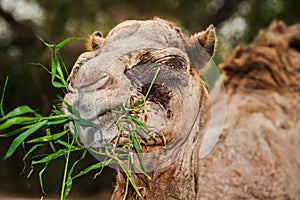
64,182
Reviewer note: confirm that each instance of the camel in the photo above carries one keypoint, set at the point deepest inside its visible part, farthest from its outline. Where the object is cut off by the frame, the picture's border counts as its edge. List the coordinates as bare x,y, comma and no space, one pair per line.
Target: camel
256,156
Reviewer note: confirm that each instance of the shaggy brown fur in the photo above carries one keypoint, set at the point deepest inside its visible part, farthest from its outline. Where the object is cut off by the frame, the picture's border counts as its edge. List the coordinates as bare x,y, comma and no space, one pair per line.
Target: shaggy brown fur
270,63
257,156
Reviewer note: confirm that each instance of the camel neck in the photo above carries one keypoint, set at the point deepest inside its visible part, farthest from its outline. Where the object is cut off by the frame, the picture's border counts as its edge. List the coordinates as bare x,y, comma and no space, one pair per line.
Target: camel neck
177,180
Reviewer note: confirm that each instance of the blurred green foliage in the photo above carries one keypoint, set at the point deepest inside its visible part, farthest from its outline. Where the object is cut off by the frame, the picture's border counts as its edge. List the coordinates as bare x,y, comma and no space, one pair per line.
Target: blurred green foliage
22,22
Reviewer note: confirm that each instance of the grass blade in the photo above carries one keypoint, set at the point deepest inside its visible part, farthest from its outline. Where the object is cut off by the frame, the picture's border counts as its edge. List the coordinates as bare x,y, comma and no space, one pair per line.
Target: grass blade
67,145
17,131
64,181
50,46
48,132
31,150
21,110
54,68
151,84
2,97
18,140
64,42
138,151
51,156
41,178
48,138
17,121
69,177
58,121
90,168
47,160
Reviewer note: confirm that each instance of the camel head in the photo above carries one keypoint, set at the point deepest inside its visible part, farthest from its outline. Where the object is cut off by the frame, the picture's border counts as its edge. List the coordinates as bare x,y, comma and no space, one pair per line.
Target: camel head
139,59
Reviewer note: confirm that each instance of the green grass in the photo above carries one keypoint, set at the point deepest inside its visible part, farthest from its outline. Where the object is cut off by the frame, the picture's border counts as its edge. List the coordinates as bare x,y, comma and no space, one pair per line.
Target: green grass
24,122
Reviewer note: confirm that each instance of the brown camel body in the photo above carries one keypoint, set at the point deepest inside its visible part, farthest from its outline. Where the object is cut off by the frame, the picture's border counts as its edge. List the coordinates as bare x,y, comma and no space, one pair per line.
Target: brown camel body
257,156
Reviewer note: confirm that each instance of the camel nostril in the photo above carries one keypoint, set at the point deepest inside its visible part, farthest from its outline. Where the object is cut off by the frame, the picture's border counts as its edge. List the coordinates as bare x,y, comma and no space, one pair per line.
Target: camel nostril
89,81
102,82
98,84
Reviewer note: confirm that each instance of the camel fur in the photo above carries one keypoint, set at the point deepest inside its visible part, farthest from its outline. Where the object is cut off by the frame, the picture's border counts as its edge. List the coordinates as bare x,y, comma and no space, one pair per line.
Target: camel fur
257,155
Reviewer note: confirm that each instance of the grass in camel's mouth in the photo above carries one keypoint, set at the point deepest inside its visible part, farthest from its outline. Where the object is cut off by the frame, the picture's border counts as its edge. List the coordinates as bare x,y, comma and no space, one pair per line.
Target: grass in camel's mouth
32,131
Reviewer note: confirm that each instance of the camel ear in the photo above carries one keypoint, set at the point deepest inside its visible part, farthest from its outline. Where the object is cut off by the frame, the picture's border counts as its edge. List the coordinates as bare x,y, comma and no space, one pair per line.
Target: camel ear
201,47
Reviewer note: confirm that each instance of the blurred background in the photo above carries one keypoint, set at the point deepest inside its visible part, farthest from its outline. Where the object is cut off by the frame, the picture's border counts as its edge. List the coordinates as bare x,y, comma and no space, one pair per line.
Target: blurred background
23,22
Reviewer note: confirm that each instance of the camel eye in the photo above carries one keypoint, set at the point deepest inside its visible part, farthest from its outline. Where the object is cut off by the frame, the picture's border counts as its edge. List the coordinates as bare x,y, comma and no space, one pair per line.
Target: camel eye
172,75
